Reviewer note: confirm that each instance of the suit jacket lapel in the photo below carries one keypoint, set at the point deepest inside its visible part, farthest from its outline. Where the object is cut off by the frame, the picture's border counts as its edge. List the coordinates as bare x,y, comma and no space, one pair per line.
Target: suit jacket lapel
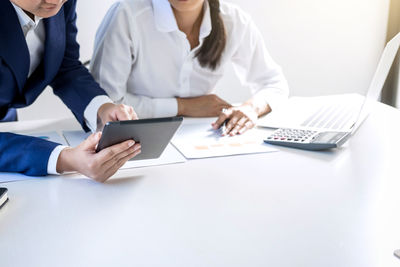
13,48
54,44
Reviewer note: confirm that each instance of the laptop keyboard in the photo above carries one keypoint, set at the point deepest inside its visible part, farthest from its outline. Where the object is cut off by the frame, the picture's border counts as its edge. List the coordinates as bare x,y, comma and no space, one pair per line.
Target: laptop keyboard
331,117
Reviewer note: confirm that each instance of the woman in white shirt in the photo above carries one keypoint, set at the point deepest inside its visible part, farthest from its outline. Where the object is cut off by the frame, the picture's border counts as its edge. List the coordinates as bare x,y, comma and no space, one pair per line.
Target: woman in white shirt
164,57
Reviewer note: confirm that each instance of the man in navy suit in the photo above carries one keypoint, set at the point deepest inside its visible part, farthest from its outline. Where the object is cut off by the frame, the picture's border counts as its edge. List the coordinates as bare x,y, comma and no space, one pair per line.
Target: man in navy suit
38,48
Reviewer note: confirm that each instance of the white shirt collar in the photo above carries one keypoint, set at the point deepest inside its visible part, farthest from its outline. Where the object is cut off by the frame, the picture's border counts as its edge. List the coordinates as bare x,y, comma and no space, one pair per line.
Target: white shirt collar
24,19
165,20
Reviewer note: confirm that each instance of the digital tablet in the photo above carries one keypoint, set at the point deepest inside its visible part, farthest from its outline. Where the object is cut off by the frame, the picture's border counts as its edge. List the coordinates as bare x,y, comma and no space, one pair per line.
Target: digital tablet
153,135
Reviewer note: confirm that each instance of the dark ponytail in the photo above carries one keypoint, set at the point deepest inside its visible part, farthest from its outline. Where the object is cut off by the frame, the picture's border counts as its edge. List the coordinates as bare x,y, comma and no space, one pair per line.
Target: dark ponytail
213,46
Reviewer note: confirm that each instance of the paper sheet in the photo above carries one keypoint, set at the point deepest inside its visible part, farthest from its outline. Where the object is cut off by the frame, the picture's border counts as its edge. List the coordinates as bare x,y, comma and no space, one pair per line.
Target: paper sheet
74,138
6,177
50,136
169,156
201,141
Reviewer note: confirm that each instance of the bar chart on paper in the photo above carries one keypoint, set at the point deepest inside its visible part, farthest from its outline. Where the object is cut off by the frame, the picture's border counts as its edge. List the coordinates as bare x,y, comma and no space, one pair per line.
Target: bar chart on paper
201,141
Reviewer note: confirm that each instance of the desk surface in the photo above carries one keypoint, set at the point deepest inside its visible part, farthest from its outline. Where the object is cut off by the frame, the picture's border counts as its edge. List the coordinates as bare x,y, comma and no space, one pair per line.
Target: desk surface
290,208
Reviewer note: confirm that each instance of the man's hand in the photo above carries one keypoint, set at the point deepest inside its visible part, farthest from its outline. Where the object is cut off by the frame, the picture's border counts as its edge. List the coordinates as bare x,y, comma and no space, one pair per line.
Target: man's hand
97,166
113,112
102,165
202,106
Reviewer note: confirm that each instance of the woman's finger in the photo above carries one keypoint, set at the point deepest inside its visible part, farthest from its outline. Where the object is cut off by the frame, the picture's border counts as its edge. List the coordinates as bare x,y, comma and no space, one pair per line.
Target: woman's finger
243,129
223,116
247,126
232,122
239,125
250,124
242,121
235,130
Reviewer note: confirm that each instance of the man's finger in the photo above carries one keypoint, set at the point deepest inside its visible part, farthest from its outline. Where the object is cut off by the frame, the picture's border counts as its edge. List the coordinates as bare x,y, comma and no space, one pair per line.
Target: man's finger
123,114
132,113
91,142
123,160
115,167
132,150
110,152
112,166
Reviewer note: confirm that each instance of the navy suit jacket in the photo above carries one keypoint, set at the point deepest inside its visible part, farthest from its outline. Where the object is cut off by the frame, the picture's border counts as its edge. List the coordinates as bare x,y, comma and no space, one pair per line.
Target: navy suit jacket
60,68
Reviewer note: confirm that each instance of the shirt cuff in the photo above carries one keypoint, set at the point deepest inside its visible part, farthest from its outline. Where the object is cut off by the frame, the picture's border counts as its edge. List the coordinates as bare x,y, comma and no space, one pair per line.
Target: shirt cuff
274,99
165,107
90,112
52,164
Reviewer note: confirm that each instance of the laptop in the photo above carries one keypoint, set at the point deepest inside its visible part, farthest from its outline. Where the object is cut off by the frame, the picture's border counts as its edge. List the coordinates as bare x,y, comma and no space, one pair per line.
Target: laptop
325,122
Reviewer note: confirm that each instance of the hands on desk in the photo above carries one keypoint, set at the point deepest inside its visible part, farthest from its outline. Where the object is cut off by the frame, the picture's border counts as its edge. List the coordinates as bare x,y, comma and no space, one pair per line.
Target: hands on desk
97,166
241,118
238,120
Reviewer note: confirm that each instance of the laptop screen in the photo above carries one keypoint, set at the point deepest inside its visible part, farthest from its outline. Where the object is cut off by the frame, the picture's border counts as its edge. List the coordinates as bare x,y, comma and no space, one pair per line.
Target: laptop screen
378,81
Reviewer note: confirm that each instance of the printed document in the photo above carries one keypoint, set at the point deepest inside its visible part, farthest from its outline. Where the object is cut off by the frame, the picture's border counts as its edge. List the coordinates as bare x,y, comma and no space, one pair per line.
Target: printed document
199,140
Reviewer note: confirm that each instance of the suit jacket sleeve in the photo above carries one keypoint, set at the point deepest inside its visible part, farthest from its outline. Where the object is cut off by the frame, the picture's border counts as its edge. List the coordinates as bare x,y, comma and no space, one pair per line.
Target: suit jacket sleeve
73,83
24,154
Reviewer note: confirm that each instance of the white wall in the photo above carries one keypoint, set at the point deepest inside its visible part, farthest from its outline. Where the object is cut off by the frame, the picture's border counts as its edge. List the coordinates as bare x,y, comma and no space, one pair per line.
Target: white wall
324,46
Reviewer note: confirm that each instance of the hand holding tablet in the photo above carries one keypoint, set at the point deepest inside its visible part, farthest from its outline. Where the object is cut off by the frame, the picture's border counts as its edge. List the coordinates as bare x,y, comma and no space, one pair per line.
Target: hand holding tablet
153,135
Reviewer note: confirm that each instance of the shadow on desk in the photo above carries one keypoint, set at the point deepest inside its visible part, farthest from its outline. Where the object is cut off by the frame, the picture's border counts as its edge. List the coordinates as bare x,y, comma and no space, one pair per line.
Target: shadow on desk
324,155
124,180
113,181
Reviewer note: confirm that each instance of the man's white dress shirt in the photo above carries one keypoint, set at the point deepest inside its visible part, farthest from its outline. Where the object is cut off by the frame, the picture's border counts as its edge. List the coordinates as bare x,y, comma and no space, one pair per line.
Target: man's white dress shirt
35,37
141,58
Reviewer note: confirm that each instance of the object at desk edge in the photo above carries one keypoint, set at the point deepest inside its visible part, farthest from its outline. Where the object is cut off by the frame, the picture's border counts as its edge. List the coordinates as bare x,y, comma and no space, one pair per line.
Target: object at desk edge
3,196
397,253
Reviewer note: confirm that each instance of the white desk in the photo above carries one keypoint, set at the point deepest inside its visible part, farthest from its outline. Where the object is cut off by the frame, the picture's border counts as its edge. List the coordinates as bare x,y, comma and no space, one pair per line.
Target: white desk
290,208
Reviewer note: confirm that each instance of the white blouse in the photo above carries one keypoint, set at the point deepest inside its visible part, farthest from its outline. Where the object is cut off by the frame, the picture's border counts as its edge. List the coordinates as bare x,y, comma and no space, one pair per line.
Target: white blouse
141,58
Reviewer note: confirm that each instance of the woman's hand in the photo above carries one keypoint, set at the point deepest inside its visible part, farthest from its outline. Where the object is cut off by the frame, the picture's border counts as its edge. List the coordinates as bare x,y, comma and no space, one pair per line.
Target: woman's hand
202,106
238,119
97,166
